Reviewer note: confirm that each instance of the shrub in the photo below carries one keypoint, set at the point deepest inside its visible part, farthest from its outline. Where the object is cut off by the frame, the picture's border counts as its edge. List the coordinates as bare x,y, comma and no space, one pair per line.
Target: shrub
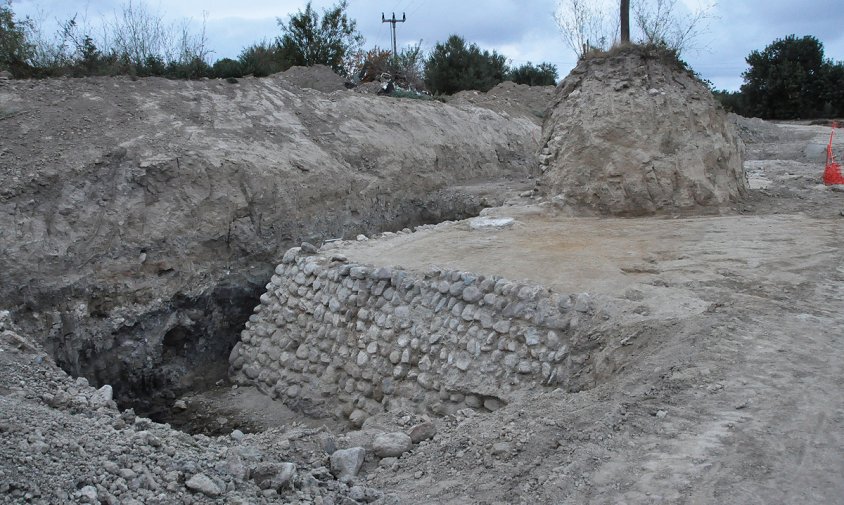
261,59
226,68
544,74
405,70
193,69
455,66
308,39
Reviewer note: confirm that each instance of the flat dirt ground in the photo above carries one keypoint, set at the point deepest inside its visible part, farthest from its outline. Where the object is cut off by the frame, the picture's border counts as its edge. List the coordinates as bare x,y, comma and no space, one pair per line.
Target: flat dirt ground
718,378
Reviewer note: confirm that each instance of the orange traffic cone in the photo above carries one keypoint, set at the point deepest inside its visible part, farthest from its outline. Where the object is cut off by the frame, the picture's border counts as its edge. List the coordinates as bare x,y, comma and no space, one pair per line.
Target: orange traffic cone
832,174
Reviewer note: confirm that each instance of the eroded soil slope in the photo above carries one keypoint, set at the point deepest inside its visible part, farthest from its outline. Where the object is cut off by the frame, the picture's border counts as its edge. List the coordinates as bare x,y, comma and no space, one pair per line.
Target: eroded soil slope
142,218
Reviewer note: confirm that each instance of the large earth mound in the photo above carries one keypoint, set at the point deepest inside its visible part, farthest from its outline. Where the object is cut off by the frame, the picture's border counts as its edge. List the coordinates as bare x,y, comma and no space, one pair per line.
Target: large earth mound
516,100
633,133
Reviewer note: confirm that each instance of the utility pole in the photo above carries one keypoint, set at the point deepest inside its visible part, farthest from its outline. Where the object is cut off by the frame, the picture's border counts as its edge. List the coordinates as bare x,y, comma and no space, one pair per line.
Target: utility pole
625,21
393,22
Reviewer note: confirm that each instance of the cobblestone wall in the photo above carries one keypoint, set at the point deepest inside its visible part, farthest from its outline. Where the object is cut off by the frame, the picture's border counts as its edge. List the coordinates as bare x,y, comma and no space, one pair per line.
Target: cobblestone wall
356,339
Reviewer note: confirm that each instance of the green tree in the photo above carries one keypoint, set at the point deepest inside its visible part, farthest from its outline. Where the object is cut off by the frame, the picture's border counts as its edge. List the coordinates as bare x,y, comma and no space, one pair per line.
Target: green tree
15,48
226,68
732,101
544,74
455,66
261,59
786,79
833,93
308,39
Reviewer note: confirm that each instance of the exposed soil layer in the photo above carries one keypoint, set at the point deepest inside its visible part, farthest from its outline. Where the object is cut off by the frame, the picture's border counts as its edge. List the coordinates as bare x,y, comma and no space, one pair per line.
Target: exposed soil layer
142,218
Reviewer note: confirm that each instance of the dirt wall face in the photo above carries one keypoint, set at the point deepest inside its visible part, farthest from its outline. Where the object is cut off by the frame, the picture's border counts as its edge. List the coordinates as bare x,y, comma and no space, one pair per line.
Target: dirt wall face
634,134
137,216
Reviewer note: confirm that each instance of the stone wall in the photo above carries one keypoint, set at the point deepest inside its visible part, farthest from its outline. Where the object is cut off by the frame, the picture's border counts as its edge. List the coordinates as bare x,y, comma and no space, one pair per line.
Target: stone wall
331,337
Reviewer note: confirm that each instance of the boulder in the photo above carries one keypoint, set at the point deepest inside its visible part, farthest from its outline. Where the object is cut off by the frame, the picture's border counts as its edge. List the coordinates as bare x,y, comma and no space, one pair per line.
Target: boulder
201,483
273,475
346,463
391,445
422,431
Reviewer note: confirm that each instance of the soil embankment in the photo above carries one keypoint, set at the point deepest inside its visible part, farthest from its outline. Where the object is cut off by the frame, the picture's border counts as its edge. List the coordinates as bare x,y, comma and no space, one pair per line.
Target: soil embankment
142,218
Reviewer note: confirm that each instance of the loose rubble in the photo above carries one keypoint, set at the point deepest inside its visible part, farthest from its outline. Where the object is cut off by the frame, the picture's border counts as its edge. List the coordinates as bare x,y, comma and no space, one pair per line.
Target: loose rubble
62,442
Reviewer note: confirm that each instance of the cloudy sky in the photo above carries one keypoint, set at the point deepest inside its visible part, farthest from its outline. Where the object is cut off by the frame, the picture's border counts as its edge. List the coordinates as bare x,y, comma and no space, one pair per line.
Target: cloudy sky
521,30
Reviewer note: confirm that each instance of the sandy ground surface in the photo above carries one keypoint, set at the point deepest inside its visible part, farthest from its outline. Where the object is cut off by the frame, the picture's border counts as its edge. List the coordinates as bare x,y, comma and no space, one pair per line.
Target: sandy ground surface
660,258
718,367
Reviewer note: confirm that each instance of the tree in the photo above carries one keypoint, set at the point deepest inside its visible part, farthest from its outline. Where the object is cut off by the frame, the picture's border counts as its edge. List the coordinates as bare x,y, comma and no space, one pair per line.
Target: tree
833,94
139,34
786,79
410,66
544,74
261,59
455,66
15,48
308,39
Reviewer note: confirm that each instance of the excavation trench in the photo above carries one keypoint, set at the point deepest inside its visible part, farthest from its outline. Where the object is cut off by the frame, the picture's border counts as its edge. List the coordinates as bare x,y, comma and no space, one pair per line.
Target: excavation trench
170,361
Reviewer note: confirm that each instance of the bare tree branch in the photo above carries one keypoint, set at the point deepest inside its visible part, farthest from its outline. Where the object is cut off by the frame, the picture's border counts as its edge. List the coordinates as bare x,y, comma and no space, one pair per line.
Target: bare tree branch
585,25
661,22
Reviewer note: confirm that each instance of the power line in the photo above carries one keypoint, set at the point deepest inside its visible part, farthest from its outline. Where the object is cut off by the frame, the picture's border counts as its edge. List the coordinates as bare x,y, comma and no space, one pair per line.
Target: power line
393,22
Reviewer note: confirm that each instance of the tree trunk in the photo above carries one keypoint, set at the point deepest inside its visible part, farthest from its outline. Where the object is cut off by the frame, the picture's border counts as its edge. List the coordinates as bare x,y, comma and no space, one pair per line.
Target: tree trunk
625,21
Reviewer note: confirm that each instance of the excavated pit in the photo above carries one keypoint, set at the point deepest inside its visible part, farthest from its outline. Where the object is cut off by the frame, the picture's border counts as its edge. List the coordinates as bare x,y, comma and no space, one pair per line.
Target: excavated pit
191,337
137,240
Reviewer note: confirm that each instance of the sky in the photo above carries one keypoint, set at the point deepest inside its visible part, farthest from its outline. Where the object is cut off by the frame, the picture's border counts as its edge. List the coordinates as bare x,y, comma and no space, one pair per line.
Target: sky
523,31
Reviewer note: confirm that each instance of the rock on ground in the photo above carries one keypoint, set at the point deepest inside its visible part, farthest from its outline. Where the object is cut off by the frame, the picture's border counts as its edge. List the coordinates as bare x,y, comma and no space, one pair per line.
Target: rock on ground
391,445
203,484
346,463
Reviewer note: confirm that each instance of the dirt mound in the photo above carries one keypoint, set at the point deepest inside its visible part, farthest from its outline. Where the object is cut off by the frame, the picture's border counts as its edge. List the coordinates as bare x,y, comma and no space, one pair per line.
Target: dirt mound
755,130
509,98
318,77
632,133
